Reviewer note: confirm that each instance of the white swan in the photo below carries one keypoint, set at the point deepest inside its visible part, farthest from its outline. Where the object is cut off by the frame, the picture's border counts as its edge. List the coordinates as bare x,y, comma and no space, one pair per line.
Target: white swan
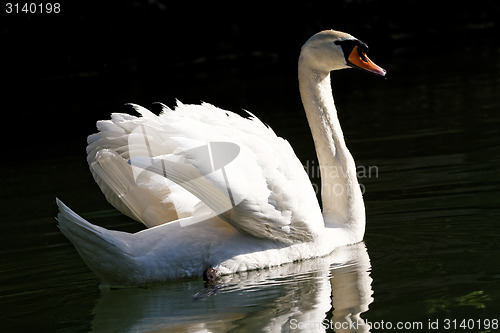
219,190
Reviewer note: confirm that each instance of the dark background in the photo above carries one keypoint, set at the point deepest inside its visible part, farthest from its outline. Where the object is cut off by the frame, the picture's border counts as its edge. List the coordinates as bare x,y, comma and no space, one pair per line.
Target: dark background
62,72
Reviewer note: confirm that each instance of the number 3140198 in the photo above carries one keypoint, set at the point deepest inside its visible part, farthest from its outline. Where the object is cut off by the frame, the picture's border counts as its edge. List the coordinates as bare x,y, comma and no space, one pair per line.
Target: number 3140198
33,8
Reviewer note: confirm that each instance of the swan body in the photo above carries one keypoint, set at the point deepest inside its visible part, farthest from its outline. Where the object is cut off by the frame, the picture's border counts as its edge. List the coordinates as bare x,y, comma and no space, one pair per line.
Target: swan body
219,190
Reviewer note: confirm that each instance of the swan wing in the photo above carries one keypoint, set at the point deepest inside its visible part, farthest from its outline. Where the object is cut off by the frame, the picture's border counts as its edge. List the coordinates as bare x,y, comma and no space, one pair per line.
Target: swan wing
236,166
150,198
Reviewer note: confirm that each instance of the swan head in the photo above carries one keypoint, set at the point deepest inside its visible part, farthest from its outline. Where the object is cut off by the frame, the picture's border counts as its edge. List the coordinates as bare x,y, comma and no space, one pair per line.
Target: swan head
331,50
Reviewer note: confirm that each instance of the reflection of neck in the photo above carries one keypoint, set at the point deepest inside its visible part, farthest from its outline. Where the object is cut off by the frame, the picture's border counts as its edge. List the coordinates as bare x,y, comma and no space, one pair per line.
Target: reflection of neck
340,192
352,291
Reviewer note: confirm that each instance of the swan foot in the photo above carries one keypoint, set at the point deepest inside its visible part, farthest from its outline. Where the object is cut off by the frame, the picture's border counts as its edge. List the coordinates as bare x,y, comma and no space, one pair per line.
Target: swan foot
209,276
211,285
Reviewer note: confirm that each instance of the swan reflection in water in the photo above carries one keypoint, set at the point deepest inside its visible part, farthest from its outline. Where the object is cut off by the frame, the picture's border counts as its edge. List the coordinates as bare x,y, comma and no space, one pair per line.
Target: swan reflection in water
297,297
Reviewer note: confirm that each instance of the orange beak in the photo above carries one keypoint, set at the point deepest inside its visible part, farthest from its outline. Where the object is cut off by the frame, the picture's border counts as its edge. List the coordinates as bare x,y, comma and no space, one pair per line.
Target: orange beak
358,59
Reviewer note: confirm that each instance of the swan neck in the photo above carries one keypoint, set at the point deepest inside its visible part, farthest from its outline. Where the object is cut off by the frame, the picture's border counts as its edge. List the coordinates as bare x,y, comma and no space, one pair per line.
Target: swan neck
341,195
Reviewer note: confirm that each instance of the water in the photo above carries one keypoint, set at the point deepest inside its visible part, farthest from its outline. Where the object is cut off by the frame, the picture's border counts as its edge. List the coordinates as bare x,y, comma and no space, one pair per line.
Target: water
431,135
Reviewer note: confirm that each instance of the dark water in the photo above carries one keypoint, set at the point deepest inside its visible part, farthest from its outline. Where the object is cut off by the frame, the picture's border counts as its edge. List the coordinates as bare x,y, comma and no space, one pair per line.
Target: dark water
427,145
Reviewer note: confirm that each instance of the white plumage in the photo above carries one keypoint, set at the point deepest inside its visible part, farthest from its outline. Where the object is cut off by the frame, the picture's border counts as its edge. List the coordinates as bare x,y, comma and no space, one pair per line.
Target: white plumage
219,190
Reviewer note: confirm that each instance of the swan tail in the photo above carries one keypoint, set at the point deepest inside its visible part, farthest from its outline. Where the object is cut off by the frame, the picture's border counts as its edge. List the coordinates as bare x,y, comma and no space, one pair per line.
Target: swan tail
101,249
